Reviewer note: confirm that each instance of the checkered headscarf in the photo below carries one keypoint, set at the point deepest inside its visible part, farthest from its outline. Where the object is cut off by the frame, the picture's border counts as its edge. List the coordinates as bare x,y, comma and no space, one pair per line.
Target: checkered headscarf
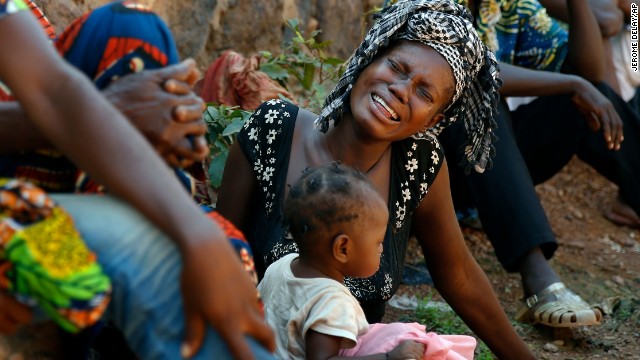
448,29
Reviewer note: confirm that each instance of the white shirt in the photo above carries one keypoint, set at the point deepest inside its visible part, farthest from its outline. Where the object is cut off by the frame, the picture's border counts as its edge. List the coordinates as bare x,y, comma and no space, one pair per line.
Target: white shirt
295,305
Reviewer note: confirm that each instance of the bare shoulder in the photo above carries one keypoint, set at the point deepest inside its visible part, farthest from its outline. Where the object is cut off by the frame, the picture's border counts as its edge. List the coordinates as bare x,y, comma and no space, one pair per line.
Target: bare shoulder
305,119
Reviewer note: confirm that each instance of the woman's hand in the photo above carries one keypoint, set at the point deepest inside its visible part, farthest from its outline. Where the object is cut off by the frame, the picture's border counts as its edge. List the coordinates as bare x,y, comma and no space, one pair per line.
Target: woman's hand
218,291
599,113
408,349
162,106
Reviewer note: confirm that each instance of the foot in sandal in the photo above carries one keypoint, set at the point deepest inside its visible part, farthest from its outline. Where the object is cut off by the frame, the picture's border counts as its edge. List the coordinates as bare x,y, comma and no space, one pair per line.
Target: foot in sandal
547,300
557,306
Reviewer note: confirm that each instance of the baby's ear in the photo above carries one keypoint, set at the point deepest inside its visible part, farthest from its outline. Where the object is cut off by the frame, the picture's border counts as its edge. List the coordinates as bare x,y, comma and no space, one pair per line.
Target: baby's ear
341,248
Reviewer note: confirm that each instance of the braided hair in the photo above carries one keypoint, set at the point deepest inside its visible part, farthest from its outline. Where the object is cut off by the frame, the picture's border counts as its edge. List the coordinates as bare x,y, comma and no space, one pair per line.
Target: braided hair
324,202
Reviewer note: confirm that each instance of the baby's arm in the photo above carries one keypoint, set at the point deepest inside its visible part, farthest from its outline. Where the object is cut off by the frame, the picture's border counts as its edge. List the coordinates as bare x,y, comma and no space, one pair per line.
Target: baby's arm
321,346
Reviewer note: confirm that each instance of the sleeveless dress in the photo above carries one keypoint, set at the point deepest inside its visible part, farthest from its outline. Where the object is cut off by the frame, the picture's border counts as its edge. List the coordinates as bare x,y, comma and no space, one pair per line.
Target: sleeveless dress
266,142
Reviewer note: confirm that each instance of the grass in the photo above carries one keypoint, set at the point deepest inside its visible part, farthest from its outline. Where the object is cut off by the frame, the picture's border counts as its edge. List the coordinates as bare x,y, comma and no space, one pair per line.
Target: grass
443,320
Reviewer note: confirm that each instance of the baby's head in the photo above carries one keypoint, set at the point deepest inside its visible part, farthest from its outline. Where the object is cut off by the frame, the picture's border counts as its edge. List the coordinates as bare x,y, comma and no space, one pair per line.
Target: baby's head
336,216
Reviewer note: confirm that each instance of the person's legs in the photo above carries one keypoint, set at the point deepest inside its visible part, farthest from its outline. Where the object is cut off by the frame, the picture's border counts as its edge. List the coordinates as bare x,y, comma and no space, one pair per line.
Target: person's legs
549,139
144,267
518,228
621,167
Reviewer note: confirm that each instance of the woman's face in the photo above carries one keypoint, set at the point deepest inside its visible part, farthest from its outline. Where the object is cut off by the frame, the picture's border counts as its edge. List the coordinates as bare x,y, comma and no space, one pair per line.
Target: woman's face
403,91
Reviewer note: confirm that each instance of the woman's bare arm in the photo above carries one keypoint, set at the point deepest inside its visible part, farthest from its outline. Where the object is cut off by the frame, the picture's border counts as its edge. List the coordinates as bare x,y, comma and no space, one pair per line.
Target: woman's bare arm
458,277
237,190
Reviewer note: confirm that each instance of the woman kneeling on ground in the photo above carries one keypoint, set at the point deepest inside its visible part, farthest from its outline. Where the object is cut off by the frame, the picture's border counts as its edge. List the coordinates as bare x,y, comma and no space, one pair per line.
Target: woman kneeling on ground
420,68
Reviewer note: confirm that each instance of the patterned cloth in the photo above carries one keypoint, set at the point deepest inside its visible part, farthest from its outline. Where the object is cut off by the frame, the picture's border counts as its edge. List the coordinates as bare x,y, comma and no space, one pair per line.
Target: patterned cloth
110,42
520,32
266,143
44,22
43,260
448,29
235,80
239,242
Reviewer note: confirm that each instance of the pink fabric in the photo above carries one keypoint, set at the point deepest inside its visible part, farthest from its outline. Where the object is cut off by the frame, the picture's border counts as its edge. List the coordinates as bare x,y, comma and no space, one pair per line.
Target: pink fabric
384,337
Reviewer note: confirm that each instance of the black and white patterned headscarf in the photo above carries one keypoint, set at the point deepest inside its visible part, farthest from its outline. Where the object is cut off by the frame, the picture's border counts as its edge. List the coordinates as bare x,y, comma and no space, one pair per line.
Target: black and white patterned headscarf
448,29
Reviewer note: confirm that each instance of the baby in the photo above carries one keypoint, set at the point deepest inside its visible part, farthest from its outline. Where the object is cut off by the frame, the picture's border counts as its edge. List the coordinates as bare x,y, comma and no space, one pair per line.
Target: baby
338,221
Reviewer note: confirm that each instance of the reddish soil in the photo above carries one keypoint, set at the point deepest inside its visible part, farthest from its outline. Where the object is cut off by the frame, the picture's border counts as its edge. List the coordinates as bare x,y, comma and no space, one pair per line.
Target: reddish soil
596,259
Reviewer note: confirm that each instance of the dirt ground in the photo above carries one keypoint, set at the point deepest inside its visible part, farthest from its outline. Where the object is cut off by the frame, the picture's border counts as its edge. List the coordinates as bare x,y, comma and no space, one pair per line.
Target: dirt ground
596,259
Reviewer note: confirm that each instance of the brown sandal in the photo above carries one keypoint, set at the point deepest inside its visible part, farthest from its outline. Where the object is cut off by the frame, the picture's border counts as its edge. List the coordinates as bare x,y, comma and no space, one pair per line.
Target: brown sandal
557,306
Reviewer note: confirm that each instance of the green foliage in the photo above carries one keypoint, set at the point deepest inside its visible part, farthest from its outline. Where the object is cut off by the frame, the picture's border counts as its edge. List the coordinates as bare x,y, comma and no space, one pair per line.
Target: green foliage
303,67
223,123
445,321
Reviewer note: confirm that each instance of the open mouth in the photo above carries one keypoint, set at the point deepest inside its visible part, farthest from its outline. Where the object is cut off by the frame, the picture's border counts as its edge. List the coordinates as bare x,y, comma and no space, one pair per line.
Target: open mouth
386,108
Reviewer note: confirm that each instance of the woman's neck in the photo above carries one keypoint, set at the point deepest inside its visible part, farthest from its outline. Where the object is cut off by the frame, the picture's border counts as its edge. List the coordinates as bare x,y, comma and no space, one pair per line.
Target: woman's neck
342,143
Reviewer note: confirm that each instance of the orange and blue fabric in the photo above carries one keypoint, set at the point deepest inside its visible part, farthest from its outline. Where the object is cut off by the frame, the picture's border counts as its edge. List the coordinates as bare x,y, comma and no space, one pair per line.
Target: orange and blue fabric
116,40
237,240
109,42
43,260
44,22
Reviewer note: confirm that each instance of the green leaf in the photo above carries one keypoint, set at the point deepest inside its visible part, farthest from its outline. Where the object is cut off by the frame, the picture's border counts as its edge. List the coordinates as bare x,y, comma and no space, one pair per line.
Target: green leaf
220,145
233,128
293,23
275,71
213,112
217,167
246,115
333,61
309,74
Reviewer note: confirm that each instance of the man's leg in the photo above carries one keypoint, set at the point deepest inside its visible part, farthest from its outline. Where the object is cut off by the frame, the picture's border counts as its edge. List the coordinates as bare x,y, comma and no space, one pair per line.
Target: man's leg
517,227
144,267
509,208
